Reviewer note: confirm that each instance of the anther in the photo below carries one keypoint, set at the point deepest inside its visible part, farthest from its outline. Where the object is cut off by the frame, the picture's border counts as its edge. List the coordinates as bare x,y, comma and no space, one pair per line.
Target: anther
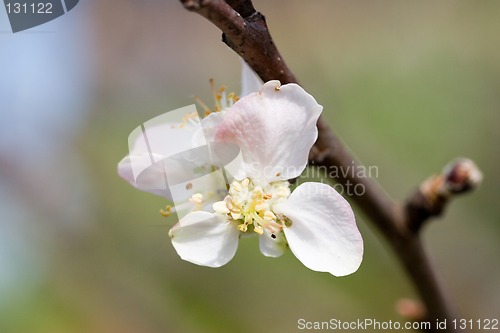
206,109
258,229
268,215
220,207
196,198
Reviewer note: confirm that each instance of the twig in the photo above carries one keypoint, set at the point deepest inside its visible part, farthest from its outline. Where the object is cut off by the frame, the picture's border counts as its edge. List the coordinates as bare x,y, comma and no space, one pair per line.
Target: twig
431,198
245,31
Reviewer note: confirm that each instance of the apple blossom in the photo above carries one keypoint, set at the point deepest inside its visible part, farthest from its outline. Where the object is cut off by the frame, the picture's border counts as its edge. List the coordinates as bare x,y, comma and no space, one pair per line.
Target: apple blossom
273,130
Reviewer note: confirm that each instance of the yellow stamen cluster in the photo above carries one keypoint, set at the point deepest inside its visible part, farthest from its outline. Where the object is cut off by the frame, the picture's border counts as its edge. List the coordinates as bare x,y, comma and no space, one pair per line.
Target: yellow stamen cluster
251,206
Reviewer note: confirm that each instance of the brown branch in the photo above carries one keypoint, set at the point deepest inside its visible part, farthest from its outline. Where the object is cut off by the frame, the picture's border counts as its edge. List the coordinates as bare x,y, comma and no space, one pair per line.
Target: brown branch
247,34
245,31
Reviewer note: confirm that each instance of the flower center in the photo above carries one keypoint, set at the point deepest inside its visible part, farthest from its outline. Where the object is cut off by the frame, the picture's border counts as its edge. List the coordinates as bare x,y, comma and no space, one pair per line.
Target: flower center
250,206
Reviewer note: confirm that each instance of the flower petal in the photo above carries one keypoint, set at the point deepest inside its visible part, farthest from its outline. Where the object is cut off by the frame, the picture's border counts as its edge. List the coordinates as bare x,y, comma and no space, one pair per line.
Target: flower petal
166,134
163,136
274,128
250,82
323,234
161,149
207,131
272,247
205,239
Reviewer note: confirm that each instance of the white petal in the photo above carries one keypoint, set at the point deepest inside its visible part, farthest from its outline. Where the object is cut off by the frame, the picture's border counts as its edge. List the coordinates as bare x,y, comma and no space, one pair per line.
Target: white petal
274,128
166,134
323,234
151,177
250,82
205,239
272,247
179,177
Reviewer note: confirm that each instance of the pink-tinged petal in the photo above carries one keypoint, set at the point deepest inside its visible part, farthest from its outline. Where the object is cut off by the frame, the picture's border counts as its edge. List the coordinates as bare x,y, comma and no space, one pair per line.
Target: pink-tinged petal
208,125
250,82
323,234
205,239
272,247
274,128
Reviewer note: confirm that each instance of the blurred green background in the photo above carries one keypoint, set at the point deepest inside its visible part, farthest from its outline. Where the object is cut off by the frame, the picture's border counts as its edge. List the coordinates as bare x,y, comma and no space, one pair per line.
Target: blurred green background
408,85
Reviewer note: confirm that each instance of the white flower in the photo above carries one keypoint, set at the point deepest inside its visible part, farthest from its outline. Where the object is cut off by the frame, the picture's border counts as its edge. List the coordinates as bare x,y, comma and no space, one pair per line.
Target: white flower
274,129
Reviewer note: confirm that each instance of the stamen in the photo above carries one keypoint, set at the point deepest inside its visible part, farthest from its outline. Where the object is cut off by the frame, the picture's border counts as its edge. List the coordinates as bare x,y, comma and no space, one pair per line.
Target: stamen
231,96
196,198
203,105
258,192
258,229
247,204
222,98
269,228
261,205
215,95
187,118
274,224
284,192
221,101
236,186
235,216
220,207
268,215
248,219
